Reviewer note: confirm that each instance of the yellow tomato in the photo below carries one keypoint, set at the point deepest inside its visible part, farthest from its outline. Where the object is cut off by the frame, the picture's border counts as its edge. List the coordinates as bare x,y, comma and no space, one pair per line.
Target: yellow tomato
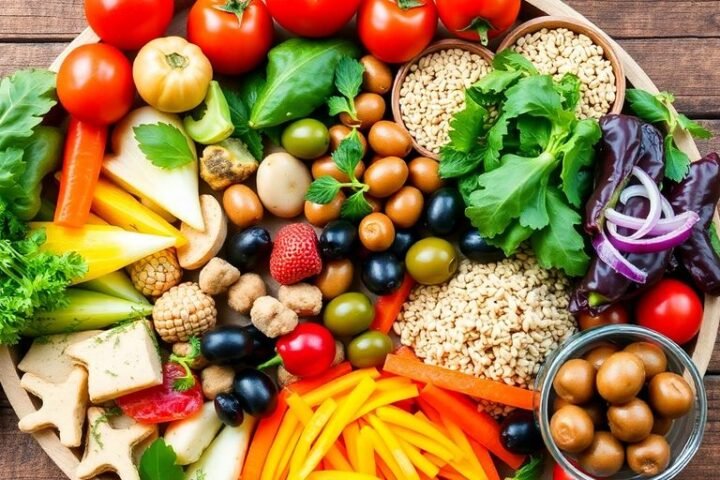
172,75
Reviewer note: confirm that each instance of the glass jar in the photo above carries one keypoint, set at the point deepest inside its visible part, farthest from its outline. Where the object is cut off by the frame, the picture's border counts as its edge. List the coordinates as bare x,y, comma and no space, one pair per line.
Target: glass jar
686,433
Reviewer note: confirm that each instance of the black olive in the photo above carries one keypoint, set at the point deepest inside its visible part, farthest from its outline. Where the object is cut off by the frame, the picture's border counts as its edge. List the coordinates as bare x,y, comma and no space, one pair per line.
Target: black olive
338,240
245,249
520,434
404,239
228,409
227,344
382,273
263,348
475,247
256,392
445,211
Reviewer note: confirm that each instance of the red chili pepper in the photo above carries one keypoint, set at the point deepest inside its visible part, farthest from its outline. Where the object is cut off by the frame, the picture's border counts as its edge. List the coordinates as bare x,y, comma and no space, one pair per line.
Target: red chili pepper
387,307
84,150
164,403
478,19
306,351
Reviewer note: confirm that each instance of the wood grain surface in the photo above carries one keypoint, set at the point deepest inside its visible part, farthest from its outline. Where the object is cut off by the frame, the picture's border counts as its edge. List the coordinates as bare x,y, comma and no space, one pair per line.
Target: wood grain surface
677,42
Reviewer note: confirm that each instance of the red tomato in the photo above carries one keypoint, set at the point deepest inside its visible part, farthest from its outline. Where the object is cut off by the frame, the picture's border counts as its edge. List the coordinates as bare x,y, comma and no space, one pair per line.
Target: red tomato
234,35
395,31
95,84
163,403
560,474
129,24
478,19
313,18
613,315
671,308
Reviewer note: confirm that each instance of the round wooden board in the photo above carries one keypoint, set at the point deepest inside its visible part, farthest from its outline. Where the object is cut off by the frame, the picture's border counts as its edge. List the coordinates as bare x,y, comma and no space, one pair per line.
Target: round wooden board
68,459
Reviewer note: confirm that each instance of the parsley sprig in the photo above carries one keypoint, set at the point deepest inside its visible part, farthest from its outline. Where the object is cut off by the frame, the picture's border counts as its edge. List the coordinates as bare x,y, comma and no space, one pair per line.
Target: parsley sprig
657,109
348,80
324,189
186,382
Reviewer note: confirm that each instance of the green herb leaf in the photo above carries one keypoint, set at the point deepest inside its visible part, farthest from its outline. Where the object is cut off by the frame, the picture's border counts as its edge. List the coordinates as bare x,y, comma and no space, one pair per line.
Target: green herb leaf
355,207
534,134
348,154
677,163
467,185
164,145
338,105
158,463
488,90
511,239
494,143
714,239
569,89
239,116
349,77
535,213
467,125
454,163
578,152
12,168
560,245
186,382
323,190
693,128
25,98
510,60
530,471
648,107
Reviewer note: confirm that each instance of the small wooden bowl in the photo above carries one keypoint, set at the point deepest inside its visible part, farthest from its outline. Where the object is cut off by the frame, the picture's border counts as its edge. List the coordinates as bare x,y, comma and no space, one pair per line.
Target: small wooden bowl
595,34
447,44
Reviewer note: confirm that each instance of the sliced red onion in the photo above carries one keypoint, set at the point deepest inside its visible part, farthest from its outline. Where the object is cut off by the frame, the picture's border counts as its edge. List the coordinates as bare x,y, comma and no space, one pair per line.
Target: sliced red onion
654,196
655,244
640,191
664,225
610,255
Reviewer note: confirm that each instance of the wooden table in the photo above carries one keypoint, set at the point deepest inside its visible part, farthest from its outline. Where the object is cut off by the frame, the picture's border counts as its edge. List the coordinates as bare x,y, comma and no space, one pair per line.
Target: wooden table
677,42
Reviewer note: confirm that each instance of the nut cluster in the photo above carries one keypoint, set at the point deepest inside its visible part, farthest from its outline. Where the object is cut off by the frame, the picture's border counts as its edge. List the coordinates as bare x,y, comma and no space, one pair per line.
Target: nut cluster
495,320
182,312
560,51
434,91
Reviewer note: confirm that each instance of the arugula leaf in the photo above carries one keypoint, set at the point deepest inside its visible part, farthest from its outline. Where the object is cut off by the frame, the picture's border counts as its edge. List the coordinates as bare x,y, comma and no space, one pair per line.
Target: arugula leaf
467,125
647,106
240,116
164,145
355,207
677,163
512,61
530,471
323,190
560,245
158,463
348,80
25,98
348,154
578,153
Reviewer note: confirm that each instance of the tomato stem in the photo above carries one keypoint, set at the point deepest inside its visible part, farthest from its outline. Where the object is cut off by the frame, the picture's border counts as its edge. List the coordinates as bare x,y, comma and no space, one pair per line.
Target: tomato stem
175,60
235,6
273,362
408,4
480,26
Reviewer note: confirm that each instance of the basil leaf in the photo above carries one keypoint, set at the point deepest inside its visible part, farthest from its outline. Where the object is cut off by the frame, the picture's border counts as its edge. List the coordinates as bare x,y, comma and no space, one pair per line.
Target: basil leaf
164,145
158,463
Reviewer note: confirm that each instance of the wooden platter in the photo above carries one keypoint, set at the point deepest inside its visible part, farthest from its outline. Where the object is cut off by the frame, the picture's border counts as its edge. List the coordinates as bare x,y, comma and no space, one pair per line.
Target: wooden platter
68,459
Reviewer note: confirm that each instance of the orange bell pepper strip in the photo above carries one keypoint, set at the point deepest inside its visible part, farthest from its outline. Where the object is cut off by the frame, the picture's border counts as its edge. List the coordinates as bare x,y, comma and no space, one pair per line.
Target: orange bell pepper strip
263,440
388,307
309,384
459,382
82,162
485,460
478,425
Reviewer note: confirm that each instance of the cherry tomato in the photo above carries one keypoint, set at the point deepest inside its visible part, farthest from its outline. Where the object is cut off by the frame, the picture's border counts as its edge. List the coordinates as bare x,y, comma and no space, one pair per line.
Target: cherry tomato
671,308
313,18
234,34
95,84
163,403
614,315
308,350
395,31
560,474
129,24
479,19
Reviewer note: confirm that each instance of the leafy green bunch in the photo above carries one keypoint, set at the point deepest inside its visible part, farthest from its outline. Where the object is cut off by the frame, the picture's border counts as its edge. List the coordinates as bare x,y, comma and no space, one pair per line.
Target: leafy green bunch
522,159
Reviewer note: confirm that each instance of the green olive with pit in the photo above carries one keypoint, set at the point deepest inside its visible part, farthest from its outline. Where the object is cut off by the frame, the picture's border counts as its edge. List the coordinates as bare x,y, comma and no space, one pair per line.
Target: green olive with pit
306,139
349,314
369,349
432,261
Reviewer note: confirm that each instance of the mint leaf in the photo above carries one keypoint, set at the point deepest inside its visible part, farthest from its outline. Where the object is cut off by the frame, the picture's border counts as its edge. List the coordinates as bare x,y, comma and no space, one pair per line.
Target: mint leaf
578,152
164,145
648,107
323,190
348,154
560,245
158,463
355,207
25,97
693,128
677,163
348,79
338,105
239,116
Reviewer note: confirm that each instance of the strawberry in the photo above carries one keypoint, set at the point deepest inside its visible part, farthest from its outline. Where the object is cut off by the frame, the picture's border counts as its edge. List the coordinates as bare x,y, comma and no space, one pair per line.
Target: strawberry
295,255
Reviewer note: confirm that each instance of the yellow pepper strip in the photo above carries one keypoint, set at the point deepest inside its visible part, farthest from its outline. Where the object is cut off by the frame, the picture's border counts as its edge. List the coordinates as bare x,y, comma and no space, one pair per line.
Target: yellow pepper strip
301,409
365,452
469,463
424,443
336,475
340,419
388,397
282,439
351,435
311,431
401,418
407,467
435,460
392,383
339,386
384,454
384,471
284,465
416,457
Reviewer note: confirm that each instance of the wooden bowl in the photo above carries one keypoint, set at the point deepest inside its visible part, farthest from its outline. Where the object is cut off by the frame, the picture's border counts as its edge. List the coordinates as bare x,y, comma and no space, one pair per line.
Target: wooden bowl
440,45
68,459
580,26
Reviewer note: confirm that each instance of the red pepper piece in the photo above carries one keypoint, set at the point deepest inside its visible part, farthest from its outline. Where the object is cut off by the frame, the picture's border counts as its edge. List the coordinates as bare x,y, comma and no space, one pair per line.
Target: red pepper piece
387,307
307,351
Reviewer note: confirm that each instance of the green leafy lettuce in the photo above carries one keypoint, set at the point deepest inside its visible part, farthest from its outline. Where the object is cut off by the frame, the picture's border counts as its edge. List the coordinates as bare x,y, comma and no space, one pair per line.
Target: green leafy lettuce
523,171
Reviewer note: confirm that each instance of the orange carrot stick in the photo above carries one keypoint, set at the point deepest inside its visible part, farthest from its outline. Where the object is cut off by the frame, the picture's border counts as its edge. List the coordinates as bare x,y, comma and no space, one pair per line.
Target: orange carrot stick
311,383
485,460
263,439
388,307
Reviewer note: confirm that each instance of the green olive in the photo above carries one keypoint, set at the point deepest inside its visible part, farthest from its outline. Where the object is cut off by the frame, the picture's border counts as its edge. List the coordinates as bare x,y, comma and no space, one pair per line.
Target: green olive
431,261
349,314
307,139
369,349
